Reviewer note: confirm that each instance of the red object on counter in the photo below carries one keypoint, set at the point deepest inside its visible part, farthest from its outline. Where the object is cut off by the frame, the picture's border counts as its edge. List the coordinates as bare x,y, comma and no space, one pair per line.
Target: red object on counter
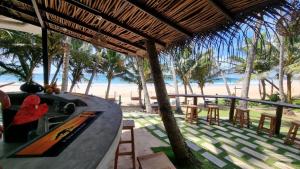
30,110
4,99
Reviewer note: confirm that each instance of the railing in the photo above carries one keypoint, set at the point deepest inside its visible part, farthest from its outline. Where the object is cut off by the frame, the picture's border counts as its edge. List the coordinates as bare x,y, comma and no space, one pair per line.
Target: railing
279,105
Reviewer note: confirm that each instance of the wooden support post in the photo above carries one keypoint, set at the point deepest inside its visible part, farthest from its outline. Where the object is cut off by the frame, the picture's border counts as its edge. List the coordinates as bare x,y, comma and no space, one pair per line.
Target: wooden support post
45,55
279,111
195,103
231,111
177,142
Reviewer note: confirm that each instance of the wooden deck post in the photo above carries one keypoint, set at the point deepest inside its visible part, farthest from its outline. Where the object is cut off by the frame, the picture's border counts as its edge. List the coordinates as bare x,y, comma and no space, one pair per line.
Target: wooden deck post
178,145
232,107
279,111
195,103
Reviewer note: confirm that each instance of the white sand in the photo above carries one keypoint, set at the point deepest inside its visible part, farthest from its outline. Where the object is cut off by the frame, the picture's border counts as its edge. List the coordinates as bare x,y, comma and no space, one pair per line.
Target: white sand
128,90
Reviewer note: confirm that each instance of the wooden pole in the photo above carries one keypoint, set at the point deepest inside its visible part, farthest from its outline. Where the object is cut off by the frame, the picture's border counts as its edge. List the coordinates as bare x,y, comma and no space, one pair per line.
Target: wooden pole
178,145
232,107
279,111
45,55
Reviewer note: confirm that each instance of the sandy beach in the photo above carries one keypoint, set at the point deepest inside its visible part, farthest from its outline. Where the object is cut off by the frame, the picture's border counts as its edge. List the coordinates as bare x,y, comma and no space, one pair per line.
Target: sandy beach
128,90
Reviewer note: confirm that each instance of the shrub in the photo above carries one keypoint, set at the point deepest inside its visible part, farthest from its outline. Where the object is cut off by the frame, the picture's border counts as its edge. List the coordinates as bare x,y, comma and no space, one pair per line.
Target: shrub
274,97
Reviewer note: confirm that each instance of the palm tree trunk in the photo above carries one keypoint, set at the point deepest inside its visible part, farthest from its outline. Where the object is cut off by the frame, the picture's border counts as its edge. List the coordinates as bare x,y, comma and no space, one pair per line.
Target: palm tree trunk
178,107
90,81
72,86
185,92
57,70
272,83
202,91
249,66
108,88
190,87
259,88
281,65
64,85
223,77
144,84
49,64
140,88
181,151
289,87
272,89
263,86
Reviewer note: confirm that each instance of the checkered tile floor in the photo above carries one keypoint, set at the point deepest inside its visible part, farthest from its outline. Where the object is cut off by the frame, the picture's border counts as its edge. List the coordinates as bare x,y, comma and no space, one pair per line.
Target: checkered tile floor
226,146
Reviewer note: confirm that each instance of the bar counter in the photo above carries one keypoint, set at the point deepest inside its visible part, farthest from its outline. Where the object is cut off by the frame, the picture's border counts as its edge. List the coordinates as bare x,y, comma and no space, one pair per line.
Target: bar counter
93,148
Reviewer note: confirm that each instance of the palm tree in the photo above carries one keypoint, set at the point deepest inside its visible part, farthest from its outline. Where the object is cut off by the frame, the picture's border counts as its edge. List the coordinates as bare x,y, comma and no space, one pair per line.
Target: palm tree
132,75
66,47
55,49
80,51
94,67
184,64
175,82
291,62
112,66
205,70
145,75
21,53
251,54
57,61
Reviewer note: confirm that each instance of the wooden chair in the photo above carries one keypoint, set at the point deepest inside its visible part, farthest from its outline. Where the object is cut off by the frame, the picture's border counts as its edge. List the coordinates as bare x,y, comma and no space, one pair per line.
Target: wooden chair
291,136
210,117
242,115
191,114
155,161
127,125
272,119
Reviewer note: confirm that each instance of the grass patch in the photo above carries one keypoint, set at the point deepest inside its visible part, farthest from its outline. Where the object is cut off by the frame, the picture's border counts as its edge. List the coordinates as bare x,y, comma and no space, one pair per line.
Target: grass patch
168,151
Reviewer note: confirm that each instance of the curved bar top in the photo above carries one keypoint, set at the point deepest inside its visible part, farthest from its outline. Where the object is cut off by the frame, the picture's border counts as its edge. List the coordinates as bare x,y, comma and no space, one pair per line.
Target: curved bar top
93,148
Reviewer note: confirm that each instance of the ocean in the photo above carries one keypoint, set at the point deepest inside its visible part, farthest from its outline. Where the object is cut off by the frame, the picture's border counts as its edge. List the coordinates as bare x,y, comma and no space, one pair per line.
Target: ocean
100,79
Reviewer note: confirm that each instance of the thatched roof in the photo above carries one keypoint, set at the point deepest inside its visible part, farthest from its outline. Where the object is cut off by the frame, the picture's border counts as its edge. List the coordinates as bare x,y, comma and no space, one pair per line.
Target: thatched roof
123,25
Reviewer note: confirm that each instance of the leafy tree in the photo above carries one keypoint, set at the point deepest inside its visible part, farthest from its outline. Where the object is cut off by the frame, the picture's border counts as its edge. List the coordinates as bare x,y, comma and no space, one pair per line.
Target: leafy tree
112,66
80,51
94,67
21,53
132,75
184,65
66,43
266,58
205,71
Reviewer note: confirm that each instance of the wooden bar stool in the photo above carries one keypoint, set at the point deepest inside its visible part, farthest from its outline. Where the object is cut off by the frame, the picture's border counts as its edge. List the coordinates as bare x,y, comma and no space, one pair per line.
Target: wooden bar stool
191,114
242,115
155,161
127,125
270,130
291,136
213,109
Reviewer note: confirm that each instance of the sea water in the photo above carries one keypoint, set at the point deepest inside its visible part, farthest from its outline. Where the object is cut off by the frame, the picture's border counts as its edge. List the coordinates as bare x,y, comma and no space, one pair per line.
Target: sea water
101,79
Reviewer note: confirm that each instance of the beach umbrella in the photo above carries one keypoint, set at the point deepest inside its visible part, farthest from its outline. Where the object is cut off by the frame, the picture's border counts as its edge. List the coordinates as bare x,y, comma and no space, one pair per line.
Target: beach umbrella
4,100
30,110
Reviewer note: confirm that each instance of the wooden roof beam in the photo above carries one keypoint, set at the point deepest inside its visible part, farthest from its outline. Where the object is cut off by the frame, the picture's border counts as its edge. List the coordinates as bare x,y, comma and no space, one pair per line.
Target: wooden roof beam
4,11
87,26
217,5
37,12
159,17
113,20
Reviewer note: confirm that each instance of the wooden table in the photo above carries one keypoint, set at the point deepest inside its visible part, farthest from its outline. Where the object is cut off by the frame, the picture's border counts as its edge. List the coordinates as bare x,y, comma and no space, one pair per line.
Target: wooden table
279,105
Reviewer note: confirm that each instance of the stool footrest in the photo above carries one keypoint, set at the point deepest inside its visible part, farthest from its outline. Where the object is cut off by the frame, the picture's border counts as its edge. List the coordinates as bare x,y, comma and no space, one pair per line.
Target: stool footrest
125,141
125,153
